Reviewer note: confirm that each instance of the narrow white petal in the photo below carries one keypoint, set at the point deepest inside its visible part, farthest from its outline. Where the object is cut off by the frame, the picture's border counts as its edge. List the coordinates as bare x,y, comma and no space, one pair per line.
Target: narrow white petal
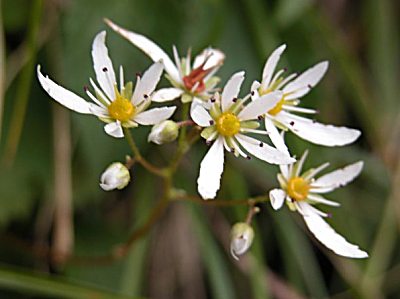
270,66
148,82
277,198
307,80
214,58
63,96
297,168
260,106
327,135
99,111
154,116
211,169
332,240
319,199
231,90
201,117
274,135
338,178
149,48
166,94
114,129
265,152
298,109
103,66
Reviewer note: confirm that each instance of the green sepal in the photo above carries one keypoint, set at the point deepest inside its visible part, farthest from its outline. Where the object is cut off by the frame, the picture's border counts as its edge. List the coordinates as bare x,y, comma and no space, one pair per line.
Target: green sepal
250,124
207,132
127,91
282,181
186,98
215,111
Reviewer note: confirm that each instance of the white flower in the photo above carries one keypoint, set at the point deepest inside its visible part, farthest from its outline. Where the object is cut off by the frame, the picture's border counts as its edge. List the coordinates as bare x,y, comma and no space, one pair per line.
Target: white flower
118,108
116,176
242,235
226,123
294,87
164,132
192,82
302,191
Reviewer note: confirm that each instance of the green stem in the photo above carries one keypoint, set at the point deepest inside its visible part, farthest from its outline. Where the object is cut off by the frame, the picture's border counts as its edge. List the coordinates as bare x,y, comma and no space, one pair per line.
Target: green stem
184,115
139,158
221,202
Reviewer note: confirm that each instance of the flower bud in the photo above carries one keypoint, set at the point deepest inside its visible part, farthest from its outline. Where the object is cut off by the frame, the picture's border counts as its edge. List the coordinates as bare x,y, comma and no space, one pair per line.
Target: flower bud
242,235
116,176
164,132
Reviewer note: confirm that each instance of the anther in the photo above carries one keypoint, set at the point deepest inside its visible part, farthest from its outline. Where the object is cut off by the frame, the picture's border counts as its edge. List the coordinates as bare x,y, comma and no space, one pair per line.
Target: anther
252,92
208,142
232,150
285,69
248,157
212,100
211,122
261,144
138,74
329,215
314,120
85,88
145,96
292,123
309,86
260,117
234,100
105,69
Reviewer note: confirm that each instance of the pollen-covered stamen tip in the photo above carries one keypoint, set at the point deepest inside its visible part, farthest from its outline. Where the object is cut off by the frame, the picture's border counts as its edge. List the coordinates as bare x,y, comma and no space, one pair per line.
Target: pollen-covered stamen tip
234,100
292,123
211,122
85,88
104,69
261,144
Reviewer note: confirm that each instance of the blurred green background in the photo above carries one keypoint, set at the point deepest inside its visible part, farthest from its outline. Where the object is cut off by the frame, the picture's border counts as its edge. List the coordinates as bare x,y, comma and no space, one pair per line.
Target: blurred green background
51,159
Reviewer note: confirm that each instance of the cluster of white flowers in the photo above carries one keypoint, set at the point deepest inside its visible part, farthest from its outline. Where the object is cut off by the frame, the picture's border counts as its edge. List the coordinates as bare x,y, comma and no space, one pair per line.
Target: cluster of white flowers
228,122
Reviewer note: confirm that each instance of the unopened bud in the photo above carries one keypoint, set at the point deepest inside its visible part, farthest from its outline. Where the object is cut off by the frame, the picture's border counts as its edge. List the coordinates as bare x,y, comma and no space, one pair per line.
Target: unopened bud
164,132
116,176
242,235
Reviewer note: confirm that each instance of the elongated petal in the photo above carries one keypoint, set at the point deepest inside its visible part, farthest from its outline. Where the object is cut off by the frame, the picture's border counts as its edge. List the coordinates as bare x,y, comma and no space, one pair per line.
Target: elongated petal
338,178
166,94
270,66
63,96
231,90
201,117
260,106
211,169
331,239
317,133
147,82
277,198
114,129
307,80
154,116
265,152
214,58
149,48
103,66
275,136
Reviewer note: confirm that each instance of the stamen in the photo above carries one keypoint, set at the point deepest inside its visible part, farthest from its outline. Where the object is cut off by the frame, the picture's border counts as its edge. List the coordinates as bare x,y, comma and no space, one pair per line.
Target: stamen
105,69
261,144
99,91
309,86
121,78
254,131
85,88
252,93
211,122
292,123
248,157
237,148
234,100
93,98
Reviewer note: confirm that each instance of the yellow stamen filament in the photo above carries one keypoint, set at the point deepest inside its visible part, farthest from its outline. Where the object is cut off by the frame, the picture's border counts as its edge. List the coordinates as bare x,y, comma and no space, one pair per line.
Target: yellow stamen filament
298,188
228,124
278,107
121,109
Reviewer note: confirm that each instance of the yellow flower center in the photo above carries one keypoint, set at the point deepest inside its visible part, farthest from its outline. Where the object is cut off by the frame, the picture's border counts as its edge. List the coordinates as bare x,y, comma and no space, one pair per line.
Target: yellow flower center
298,188
278,107
121,109
228,124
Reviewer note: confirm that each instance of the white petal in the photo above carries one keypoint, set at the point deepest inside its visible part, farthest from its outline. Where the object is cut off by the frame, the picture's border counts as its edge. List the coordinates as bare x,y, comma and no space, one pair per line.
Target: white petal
317,133
114,129
63,96
270,66
215,58
149,48
154,116
211,169
266,153
277,198
99,111
303,83
201,117
147,82
260,106
231,90
338,178
166,94
332,240
320,199
103,66
274,135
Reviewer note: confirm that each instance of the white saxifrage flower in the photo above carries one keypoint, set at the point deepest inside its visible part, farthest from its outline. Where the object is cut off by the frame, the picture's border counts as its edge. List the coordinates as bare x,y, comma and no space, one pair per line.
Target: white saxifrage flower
192,82
294,87
118,108
116,176
226,123
301,191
